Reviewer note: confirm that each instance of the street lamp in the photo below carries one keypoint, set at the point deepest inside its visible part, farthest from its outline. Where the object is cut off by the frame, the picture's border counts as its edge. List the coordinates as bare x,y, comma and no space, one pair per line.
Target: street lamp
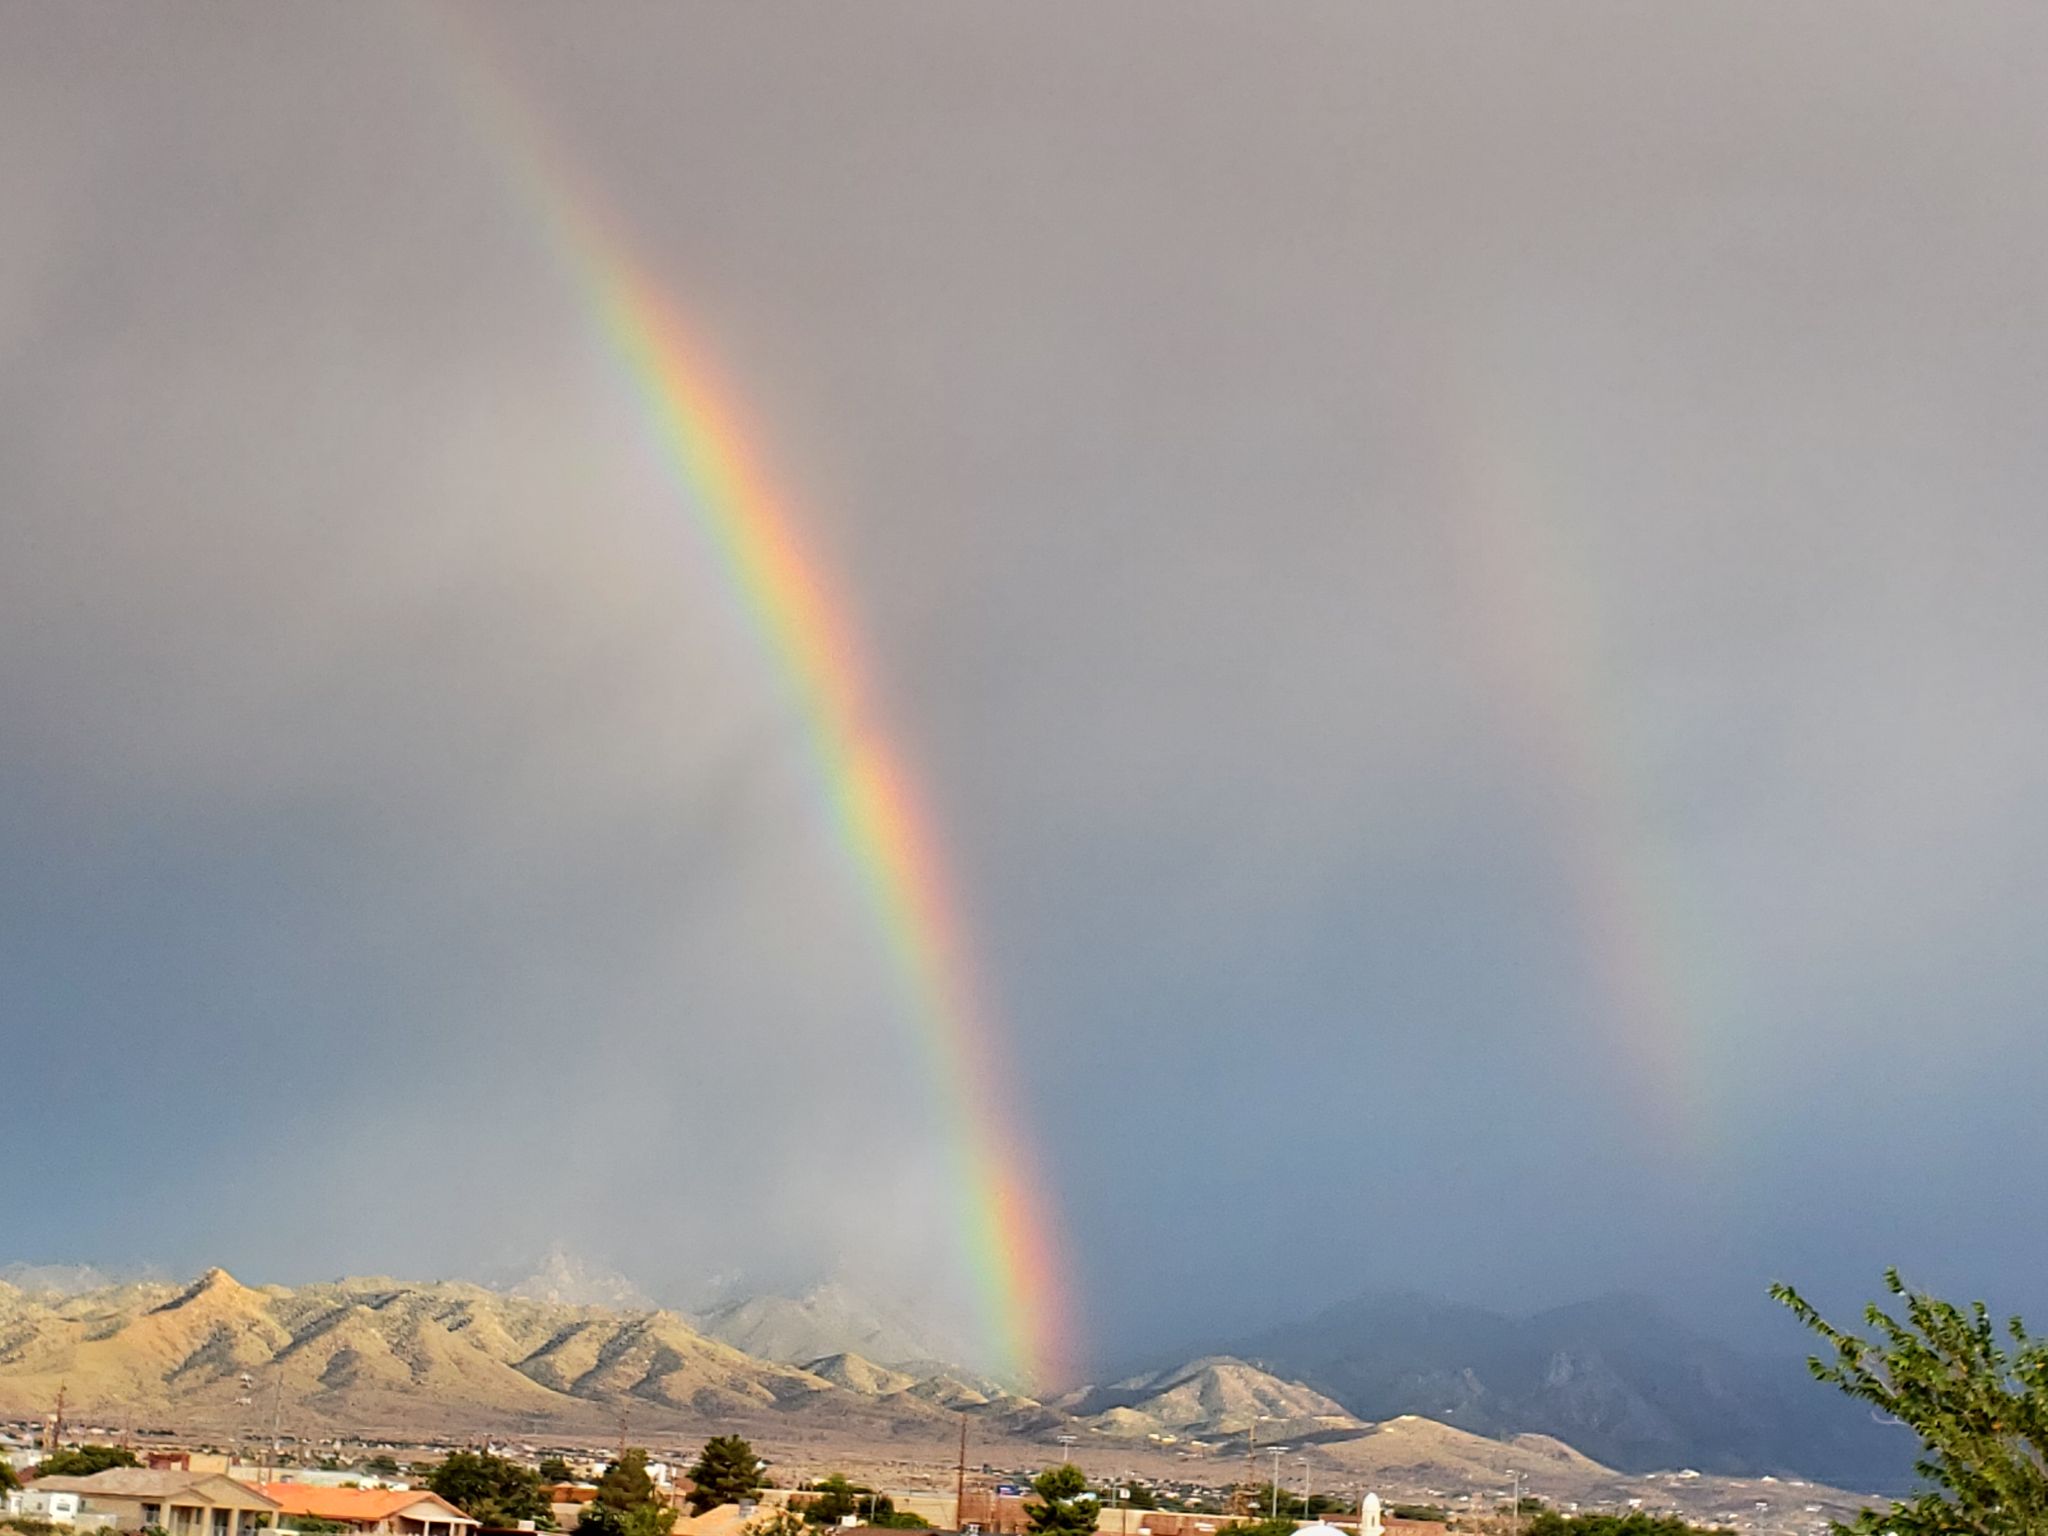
1306,1512
1276,1452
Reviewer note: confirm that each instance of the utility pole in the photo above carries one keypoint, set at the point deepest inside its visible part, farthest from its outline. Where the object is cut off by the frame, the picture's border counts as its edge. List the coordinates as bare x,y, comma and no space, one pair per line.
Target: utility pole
1276,1452
1251,1465
277,1423
1515,1509
1306,1512
960,1481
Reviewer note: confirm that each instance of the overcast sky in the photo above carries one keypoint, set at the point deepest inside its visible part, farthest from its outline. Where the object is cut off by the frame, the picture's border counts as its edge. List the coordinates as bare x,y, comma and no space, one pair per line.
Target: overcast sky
1467,584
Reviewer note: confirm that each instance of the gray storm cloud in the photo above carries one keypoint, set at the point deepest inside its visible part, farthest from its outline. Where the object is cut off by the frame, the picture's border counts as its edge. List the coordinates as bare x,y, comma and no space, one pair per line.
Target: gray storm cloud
394,801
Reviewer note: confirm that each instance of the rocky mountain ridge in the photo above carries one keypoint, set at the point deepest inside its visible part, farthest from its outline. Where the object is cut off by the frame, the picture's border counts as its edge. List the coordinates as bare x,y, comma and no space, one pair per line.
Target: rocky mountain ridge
1618,1377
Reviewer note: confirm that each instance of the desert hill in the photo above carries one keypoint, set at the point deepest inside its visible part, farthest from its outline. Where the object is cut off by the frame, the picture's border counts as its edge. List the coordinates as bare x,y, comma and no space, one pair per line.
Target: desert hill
374,1351
860,1375
374,1354
1217,1395
1617,1377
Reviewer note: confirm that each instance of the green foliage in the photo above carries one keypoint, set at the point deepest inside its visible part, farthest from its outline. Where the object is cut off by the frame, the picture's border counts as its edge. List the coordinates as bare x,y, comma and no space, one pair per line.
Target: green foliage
837,1498
1284,1526
313,1525
29,1525
1134,1494
900,1520
625,1485
8,1481
85,1461
1980,1410
1635,1523
774,1522
554,1470
727,1472
1064,1506
382,1465
656,1519
1290,1504
1419,1512
492,1489
627,1502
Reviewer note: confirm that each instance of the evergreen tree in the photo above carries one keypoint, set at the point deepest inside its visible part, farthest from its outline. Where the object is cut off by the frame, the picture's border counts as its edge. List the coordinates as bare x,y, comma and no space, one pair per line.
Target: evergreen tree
627,1503
554,1470
727,1472
1065,1507
1980,1411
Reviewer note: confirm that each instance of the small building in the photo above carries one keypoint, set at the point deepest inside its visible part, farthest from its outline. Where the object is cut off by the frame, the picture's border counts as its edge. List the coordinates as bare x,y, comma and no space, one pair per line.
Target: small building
182,1503
52,1504
371,1511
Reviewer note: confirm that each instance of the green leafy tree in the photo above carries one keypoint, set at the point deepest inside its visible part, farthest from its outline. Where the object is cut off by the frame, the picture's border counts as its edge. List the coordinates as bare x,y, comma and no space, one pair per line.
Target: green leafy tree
554,1470
1634,1523
901,1520
492,1489
775,1522
8,1481
1284,1525
837,1498
727,1472
1265,1499
1979,1407
85,1461
383,1466
1065,1507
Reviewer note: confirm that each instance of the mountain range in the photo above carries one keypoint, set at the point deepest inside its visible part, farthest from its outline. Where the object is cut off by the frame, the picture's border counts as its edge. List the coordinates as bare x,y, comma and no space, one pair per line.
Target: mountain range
1616,1379
1619,1378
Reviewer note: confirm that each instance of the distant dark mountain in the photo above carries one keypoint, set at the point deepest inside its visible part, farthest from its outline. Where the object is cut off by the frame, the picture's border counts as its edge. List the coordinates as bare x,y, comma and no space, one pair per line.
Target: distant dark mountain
1618,1377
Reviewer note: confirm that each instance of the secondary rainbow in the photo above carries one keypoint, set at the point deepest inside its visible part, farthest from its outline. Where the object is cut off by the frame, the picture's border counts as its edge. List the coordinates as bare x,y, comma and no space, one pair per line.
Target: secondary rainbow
709,460
1535,614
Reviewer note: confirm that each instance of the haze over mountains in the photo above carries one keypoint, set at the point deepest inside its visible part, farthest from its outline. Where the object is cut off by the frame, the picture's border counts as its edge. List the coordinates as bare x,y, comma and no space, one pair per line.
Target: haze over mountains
1615,1380
1618,1377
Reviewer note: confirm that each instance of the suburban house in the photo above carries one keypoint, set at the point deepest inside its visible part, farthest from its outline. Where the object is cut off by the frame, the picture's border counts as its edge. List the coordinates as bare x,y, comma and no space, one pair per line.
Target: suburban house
53,1505
372,1511
182,1503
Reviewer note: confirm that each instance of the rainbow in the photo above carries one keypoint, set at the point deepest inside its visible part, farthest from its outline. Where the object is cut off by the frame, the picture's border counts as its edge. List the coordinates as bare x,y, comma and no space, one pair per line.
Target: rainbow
1535,602
695,427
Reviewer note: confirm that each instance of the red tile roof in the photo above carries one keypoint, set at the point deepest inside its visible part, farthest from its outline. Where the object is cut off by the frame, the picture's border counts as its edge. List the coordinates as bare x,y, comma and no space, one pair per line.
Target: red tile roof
359,1506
